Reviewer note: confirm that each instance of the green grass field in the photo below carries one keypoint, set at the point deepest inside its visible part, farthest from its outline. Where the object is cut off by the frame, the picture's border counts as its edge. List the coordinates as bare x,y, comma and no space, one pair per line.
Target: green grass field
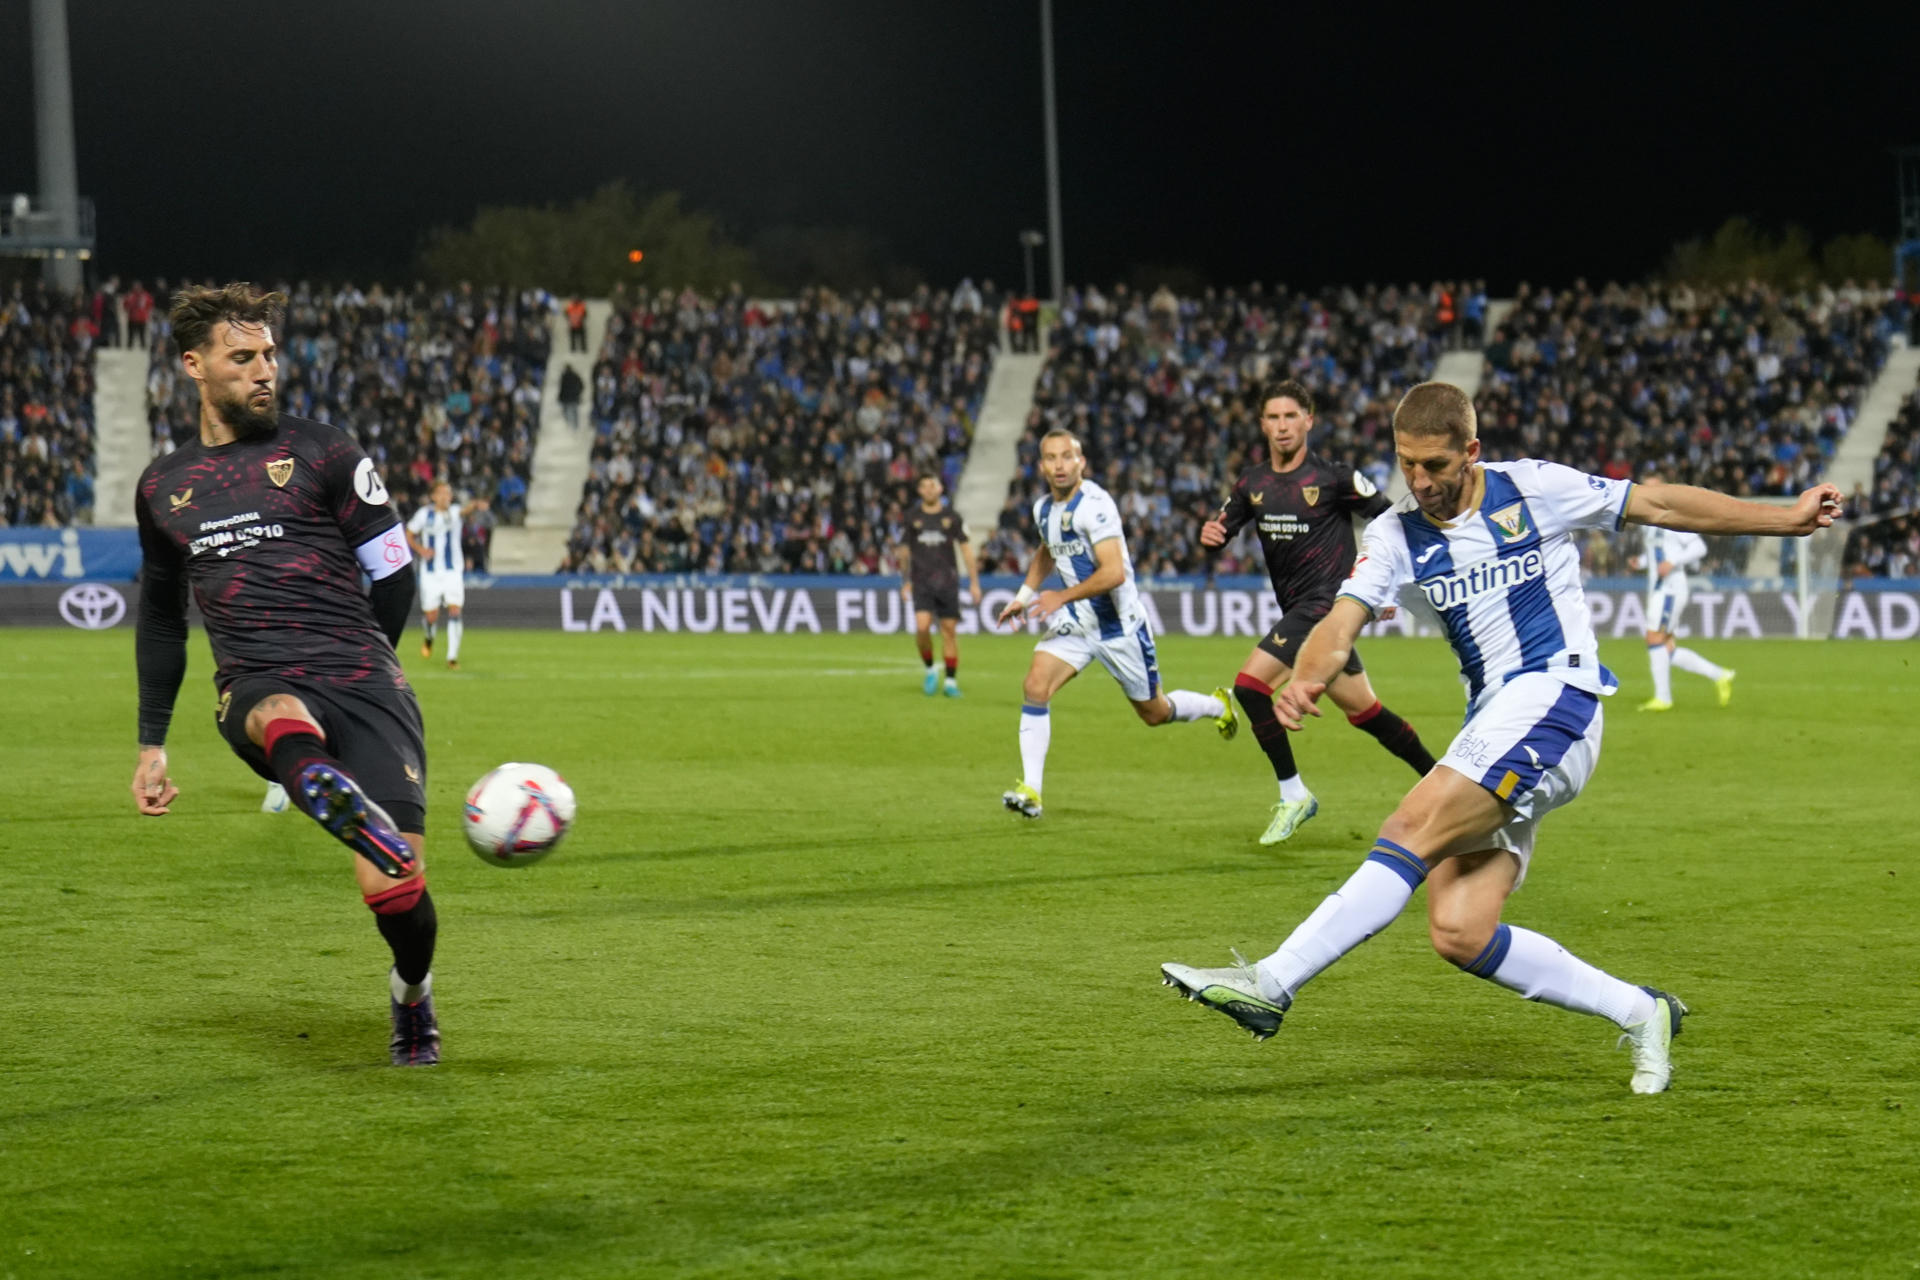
799,999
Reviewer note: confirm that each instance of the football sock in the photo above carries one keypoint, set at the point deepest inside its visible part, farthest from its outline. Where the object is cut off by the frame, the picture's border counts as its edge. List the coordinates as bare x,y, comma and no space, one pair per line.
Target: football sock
405,992
925,645
454,628
1360,908
1687,660
1541,969
1036,731
1396,735
953,667
1658,659
1188,705
291,745
1256,699
1293,790
410,933
430,628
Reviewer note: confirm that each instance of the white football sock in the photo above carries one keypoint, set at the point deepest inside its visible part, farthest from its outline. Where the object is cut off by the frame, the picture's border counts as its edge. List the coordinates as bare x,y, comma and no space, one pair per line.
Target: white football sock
1293,790
1036,731
1541,969
453,638
1657,659
430,626
409,994
1360,908
1188,705
1687,660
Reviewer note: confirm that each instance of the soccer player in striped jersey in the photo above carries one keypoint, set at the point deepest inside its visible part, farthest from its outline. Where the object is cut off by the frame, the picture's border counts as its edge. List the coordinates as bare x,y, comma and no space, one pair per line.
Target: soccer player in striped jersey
1095,616
1669,554
1488,546
434,533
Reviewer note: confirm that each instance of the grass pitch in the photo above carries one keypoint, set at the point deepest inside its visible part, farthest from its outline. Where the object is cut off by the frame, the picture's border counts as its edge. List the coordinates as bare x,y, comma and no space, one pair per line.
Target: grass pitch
799,999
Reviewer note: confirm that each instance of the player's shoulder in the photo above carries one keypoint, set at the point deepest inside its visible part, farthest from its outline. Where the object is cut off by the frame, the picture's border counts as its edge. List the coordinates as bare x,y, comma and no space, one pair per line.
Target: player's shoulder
1092,495
156,472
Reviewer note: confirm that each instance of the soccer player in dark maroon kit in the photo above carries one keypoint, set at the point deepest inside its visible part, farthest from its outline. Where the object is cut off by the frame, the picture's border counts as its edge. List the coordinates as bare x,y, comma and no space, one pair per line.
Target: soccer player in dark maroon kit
272,521
930,579
1305,509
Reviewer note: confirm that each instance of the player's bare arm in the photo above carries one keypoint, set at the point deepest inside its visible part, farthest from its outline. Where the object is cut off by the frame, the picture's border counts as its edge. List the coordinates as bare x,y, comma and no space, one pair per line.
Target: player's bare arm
905,557
1321,658
973,569
1110,570
1683,506
1037,570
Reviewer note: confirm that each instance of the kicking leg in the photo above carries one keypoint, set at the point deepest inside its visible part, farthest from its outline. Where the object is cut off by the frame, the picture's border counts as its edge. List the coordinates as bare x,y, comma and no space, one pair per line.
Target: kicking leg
1687,660
296,749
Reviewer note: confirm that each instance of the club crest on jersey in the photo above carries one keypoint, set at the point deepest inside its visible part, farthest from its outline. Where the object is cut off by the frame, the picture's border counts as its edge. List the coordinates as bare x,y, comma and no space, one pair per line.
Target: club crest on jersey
1311,493
182,498
280,470
1066,523
1511,521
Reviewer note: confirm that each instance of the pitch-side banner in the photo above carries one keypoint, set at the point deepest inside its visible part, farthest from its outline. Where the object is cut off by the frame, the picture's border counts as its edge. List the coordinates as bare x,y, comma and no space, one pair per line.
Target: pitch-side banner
795,605
69,555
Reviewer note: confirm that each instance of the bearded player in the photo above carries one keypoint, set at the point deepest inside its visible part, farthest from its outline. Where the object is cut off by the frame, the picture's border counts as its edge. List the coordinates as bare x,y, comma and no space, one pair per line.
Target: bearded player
1304,507
930,580
272,521
1096,616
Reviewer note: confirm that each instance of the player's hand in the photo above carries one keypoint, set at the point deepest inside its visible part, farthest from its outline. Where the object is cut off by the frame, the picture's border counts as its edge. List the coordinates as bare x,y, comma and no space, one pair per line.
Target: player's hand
1387,614
1297,701
1010,614
1662,569
906,591
152,789
974,592
1213,534
1817,508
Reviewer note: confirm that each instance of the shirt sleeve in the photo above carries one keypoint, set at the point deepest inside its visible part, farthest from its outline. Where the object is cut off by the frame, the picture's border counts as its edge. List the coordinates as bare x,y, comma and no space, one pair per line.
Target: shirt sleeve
355,493
1576,500
1381,570
1689,550
1362,496
160,629
1238,508
418,524
1100,521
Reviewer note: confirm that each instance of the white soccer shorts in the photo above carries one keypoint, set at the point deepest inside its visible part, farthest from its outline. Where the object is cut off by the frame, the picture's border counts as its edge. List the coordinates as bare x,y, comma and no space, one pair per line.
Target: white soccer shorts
1665,602
439,589
1130,658
1534,745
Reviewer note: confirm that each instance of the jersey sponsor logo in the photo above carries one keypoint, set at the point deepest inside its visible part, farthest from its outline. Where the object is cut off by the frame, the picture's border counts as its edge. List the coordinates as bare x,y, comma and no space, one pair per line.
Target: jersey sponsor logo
1596,482
932,537
92,607
1067,550
1311,493
1512,521
1363,486
181,499
413,774
1531,754
280,470
1485,578
366,483
1424,556
1257,497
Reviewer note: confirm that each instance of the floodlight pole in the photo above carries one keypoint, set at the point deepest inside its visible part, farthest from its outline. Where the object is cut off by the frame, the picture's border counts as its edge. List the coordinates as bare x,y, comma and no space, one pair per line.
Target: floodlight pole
1056,255
53,123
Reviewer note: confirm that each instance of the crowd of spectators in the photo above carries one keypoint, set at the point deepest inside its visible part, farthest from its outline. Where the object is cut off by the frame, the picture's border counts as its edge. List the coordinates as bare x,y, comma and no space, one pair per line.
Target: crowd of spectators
742,436
1884,541
46,406
437,384
1159,389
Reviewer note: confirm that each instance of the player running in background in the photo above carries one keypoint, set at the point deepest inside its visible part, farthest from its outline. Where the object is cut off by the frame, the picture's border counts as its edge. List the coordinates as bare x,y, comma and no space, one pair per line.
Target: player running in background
1669,554
1488,545
1097,615
434,534
930,580
271,521
1305,509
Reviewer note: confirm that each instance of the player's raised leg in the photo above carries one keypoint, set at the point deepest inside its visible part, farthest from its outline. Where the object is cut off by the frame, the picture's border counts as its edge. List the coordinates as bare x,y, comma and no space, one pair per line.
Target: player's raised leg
1048,674
1689,661
295,746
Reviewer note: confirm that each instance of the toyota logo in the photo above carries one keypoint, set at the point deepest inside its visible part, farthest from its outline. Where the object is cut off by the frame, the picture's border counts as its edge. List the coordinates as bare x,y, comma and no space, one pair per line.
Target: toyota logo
92,607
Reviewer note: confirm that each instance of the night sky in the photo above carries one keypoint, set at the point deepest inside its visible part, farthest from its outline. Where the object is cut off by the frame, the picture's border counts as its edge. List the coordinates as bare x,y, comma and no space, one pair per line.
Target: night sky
1336,142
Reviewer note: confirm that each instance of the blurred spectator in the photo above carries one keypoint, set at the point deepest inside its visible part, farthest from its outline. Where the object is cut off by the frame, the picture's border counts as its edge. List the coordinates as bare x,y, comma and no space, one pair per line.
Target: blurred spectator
139,308
46,407
1884,541
577,325
572,387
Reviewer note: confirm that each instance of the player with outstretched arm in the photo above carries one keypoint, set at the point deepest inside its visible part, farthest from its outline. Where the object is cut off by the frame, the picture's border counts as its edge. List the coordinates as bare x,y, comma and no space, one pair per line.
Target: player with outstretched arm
271,521
1488,545
1096,616
1303,510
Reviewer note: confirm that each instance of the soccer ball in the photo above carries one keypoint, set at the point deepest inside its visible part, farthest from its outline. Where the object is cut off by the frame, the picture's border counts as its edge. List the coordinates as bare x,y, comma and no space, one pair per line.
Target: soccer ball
517,814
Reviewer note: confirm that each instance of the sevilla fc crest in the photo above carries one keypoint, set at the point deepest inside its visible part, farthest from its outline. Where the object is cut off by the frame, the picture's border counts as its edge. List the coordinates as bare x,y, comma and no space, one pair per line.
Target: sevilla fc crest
1311,493
280,470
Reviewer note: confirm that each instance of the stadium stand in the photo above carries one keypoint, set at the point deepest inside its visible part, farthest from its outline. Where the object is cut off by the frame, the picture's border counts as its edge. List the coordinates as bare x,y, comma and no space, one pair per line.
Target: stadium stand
743,436
1885,541
1157,387
46,407
436,383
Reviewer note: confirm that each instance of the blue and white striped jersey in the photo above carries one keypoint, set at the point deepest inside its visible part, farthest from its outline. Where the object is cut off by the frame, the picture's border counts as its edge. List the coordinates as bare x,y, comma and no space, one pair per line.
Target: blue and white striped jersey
1504,577
1678,548
1070,530
440,531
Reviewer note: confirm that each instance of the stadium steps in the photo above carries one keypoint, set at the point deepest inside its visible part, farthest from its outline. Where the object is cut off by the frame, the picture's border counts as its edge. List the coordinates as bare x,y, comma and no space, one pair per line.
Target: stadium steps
561,458
1463,369
125,443
994,456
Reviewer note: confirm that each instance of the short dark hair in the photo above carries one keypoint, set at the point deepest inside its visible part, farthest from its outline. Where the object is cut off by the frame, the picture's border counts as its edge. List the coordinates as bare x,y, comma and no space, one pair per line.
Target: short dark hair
1437,409
1292,390
1059,432
197,308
